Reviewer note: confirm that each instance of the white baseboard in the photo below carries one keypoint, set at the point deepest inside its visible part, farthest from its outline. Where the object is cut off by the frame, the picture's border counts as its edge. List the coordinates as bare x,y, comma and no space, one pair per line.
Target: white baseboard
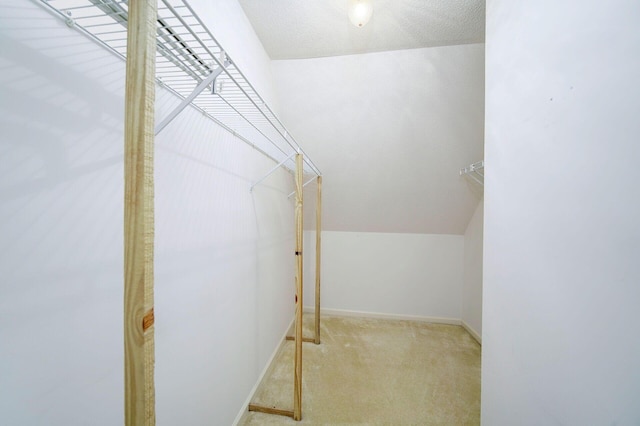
267,368
472,332
348,313
361,314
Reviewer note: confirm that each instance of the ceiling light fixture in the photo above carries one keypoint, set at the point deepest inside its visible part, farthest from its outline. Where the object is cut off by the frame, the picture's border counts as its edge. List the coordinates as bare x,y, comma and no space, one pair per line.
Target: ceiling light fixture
360,12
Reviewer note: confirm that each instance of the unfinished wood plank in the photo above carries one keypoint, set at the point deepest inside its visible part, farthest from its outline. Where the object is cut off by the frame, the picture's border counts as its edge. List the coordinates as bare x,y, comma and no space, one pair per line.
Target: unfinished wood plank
297,374
270,410
318,256
304,339
139,354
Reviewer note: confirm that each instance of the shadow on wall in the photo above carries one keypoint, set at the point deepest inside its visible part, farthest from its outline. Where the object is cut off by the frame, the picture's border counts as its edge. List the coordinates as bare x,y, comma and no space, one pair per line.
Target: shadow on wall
62,153
223,260
61,201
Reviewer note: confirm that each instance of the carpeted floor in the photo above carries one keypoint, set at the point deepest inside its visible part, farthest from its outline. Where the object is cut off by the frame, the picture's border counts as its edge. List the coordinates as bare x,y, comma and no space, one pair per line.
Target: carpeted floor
377,372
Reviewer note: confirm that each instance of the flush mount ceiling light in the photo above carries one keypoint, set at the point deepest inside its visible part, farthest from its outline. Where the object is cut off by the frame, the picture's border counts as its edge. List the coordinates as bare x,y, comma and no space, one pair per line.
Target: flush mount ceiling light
360,12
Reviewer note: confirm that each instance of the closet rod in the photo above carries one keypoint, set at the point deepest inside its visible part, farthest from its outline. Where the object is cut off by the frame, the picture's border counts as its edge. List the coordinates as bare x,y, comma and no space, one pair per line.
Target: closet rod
186,101
271,171
71,23
286,133
238,85
223,125
251,124
306,183
188,53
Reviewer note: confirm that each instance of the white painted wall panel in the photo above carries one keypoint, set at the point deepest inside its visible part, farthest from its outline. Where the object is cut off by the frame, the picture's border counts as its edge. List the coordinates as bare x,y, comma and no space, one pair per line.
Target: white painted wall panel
390,131
472,286
224,257
61,224
223,266
399,274
561,335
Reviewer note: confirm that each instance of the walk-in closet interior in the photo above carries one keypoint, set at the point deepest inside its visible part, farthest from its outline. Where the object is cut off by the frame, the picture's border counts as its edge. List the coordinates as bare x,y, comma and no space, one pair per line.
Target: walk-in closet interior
269,212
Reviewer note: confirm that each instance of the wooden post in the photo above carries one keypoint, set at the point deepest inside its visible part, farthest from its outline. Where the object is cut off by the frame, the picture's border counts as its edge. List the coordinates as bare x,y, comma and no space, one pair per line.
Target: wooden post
297,374
139,356
318,256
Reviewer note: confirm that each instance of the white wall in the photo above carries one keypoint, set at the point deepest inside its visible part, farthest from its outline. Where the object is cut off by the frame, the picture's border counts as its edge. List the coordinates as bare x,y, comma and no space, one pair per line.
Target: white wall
561,335
224,265
390,131
397,274
223,256
472,283
61,226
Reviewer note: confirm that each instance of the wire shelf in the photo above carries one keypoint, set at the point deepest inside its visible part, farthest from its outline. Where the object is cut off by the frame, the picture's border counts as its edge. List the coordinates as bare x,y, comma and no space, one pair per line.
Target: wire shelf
187,54
475,171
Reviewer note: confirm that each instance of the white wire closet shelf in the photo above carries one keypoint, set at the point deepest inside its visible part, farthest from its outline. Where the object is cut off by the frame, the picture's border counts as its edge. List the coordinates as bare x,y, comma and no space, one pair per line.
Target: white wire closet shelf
190,63
475,171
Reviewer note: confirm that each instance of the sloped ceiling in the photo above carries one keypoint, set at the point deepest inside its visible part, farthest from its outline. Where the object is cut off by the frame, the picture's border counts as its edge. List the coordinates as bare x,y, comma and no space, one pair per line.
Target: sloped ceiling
389,112
295,29
390,132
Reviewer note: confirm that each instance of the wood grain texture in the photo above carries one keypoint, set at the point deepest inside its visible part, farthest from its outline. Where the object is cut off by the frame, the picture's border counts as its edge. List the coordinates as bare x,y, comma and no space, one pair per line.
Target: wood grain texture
297,375
318,257
139,353
270,410
148,320
304,339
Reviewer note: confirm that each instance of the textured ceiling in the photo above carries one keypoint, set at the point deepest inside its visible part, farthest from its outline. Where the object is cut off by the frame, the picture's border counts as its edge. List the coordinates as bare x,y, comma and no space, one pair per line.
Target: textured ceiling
295,29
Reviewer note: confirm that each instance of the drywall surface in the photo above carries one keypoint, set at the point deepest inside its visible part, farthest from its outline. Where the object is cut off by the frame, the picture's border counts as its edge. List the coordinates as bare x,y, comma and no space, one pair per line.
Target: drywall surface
390,131
61,227
397,274
223,259
472,284
224,263
561,335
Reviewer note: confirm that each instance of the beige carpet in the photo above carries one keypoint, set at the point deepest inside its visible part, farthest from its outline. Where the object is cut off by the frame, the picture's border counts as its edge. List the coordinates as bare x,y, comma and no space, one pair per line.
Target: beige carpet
377,372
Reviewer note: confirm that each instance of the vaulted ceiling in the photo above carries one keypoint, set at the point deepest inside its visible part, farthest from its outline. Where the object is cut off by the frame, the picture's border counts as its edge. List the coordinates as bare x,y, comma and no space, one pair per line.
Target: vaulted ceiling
389,112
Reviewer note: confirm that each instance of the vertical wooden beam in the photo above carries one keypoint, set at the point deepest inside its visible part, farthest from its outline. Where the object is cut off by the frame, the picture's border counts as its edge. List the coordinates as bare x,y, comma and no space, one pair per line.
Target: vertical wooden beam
297,376
139,355
318,256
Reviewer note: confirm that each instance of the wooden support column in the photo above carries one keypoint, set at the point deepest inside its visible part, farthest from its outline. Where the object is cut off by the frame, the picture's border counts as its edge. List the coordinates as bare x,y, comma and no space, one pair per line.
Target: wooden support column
139,355
297,374
318,256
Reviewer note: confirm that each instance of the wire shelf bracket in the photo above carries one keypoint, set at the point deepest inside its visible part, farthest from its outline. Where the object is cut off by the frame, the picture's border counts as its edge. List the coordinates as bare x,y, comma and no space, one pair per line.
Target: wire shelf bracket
305,184
188,60
475,171
186,101
270,172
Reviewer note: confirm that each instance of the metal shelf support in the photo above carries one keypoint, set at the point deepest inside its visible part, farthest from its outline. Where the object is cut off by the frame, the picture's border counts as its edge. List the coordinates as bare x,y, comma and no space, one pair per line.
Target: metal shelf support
271,171
474,171
186,101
